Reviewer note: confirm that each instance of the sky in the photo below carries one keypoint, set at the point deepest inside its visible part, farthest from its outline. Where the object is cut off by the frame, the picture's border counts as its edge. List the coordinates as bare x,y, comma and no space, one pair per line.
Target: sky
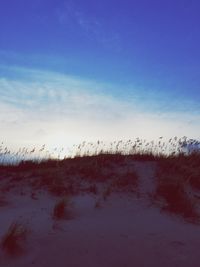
98,70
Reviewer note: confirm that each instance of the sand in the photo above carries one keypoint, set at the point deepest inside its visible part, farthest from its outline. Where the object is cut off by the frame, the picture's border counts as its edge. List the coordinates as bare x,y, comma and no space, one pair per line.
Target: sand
126,229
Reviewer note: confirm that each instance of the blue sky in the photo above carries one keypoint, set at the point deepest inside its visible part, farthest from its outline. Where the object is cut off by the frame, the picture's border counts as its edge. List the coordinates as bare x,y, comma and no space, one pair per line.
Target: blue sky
124,57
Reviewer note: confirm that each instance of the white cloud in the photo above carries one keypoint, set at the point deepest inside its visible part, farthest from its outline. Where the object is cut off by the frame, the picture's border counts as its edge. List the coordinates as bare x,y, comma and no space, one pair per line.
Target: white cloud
62,110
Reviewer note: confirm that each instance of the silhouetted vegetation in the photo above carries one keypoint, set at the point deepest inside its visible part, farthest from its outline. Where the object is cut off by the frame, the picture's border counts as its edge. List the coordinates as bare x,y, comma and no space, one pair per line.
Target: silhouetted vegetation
62,209
12,241
177,178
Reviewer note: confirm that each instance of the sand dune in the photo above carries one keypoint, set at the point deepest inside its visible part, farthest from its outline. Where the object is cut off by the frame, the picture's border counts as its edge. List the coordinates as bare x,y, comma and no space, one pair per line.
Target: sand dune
110,224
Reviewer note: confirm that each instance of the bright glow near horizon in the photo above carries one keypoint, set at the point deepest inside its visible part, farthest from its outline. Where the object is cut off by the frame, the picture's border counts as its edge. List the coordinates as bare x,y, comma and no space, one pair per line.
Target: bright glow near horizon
60,111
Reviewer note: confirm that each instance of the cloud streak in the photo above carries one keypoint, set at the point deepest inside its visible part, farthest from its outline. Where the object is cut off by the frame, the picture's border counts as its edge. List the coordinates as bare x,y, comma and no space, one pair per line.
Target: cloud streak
46,107
71,14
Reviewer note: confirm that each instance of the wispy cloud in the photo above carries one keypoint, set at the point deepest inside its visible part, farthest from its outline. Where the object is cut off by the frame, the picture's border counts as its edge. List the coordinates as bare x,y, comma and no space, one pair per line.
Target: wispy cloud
72,15
45,107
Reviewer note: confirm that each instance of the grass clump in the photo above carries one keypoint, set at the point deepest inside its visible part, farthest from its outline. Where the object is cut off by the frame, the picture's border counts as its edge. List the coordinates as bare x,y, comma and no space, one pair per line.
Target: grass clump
13,238
98,204
128,179
106,193
93,189
174,185
62,209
